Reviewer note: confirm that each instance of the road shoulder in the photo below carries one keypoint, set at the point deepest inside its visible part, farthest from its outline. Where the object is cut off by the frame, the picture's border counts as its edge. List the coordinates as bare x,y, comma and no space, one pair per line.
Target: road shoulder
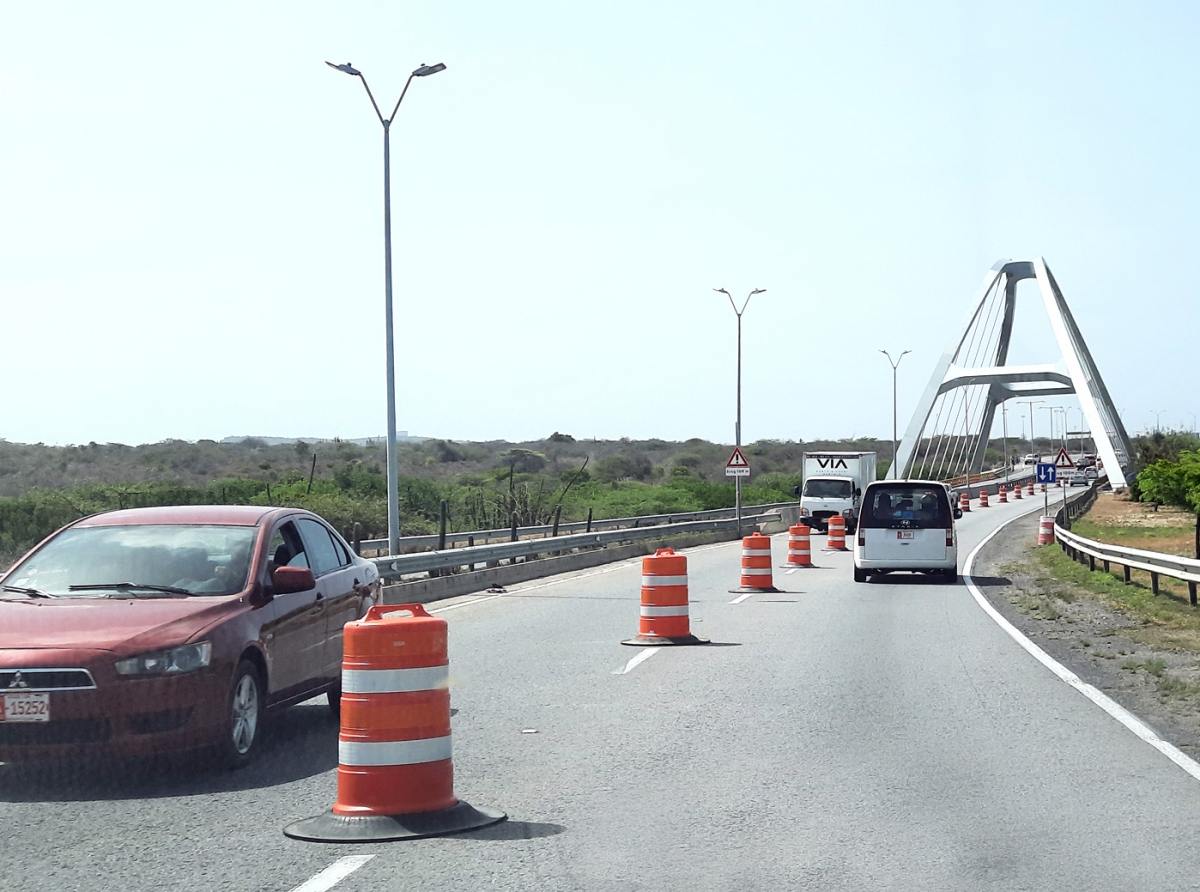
1160,685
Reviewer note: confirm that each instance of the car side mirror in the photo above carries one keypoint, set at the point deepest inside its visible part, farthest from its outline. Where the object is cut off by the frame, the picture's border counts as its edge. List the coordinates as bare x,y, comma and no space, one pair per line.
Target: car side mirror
286,580
958,513
858,492
796,490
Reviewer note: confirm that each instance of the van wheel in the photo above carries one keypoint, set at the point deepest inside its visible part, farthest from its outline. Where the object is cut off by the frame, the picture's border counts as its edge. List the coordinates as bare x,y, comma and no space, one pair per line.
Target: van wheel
334,696
860,575
950,577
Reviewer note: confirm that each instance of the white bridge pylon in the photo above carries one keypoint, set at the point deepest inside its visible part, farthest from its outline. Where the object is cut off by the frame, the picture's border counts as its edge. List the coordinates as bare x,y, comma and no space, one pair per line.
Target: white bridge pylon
949,431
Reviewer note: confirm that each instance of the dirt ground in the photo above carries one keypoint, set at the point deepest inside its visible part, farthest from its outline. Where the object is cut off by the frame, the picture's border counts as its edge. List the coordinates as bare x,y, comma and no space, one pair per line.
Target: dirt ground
1116,520
1152,672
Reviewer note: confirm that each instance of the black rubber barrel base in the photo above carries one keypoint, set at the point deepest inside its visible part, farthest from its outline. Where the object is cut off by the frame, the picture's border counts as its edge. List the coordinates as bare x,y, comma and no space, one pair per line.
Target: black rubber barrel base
655,641
390,828
754,590
795,566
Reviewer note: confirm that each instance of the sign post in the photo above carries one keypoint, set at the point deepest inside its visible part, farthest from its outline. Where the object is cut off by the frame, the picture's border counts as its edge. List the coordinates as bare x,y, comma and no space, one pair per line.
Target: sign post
1046,474
737,467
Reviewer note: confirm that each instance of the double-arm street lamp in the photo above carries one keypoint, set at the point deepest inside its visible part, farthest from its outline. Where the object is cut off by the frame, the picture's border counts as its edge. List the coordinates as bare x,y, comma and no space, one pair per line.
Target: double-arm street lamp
737,430
393,465
895,364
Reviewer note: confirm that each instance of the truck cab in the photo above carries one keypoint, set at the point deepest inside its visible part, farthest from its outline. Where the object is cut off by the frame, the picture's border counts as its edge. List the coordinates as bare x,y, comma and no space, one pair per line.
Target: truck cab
833,484
823,497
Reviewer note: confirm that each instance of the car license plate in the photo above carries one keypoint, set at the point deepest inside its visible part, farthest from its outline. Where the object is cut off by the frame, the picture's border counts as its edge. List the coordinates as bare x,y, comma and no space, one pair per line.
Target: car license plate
25,707
904,534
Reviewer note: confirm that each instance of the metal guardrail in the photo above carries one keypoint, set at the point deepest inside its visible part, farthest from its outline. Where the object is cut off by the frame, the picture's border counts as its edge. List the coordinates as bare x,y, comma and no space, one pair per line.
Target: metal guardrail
395,566
577,526
1153,562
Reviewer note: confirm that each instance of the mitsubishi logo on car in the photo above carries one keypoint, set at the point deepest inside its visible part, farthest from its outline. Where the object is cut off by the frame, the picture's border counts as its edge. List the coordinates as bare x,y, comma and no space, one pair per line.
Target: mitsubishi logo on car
18,681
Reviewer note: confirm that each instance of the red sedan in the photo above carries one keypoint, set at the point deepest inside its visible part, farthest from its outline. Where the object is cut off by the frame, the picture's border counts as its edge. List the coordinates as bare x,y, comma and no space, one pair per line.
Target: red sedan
159,629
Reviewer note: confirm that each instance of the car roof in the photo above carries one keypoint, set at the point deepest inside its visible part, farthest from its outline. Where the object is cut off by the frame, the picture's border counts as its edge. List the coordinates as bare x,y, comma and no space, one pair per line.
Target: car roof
225,515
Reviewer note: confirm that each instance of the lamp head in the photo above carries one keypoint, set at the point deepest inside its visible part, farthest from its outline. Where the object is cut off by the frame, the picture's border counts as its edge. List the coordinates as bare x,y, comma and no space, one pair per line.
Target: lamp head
426,70
722,291
347,68
758,291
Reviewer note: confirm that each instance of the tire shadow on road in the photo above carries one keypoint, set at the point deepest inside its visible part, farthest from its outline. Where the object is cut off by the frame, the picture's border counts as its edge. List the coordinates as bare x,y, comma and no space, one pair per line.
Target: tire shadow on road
299,743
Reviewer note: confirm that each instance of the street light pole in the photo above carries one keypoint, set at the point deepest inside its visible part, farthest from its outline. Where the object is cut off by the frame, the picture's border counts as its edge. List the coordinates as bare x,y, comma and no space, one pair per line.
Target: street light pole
1157,418
895,474
737,429
1032,442
393,460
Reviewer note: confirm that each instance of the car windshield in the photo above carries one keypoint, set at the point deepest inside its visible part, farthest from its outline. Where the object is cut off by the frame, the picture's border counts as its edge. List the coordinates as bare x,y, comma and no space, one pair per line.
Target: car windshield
907,505
139,561
828,489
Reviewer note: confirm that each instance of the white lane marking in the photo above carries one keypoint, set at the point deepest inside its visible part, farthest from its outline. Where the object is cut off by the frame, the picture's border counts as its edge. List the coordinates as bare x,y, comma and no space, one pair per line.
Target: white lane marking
333,874
740,598
790,572
638,660
464,604
1114,709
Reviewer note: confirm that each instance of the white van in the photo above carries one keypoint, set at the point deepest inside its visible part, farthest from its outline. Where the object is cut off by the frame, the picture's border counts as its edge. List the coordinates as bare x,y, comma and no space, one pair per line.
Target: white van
906,525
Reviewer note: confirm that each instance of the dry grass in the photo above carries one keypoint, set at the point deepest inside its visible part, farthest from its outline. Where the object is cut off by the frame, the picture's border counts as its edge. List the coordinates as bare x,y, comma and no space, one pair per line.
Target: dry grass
1137,525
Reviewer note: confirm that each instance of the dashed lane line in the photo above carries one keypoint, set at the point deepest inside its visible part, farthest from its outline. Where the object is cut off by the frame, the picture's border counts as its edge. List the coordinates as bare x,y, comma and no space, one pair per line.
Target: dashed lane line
637,661
333,874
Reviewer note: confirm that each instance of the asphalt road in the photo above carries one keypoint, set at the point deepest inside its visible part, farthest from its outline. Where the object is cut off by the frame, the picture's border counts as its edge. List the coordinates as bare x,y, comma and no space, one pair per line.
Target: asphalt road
835,736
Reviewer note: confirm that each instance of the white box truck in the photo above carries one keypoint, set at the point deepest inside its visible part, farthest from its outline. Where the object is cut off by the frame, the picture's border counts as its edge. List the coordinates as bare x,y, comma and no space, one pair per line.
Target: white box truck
833,484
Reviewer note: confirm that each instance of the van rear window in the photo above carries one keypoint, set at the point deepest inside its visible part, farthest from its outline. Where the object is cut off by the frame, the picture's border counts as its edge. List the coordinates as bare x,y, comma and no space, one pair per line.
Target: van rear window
907,505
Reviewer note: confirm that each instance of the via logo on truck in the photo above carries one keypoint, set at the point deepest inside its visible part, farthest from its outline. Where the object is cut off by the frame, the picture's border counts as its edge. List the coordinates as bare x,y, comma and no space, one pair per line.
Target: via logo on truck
832,462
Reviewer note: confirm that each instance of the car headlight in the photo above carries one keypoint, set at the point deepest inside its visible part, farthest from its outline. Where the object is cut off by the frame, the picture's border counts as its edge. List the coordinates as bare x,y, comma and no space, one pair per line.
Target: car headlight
804,512
176,661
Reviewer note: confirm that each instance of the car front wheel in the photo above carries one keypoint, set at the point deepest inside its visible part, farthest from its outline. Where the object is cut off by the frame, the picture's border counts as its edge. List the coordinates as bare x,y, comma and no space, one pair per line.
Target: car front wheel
244,711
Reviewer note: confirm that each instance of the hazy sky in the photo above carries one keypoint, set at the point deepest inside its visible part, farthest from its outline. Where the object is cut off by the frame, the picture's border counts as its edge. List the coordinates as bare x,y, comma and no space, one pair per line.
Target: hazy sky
191,211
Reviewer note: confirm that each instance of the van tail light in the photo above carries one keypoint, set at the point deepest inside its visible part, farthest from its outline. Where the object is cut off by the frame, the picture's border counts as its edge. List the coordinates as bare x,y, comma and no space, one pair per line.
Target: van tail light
862,536
950,538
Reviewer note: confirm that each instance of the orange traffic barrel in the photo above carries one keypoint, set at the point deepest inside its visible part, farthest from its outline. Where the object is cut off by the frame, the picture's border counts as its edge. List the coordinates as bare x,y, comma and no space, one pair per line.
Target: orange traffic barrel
836,540
1029,490
395,777
1017,492
1046,531
983,498
756,565
964,502
1003,496
665,617
1043,487
799,547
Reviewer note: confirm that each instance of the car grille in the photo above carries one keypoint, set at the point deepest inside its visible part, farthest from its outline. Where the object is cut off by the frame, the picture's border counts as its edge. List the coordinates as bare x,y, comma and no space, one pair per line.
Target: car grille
45,679
71,731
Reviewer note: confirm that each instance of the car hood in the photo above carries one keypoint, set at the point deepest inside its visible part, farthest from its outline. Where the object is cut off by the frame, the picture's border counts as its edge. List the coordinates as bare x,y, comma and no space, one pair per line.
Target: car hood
130,625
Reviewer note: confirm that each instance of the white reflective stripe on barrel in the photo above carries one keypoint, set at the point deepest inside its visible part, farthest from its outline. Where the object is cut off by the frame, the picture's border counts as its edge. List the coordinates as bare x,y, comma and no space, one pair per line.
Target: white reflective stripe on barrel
394,681
756,552
394,752
652,581
682,610
756,571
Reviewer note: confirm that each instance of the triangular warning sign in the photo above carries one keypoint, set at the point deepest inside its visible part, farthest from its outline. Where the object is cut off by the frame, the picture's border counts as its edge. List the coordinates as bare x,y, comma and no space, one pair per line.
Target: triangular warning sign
1063,460
737,460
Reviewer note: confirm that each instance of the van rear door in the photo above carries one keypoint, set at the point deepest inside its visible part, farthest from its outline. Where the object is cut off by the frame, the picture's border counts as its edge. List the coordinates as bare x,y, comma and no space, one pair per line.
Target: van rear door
906,523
